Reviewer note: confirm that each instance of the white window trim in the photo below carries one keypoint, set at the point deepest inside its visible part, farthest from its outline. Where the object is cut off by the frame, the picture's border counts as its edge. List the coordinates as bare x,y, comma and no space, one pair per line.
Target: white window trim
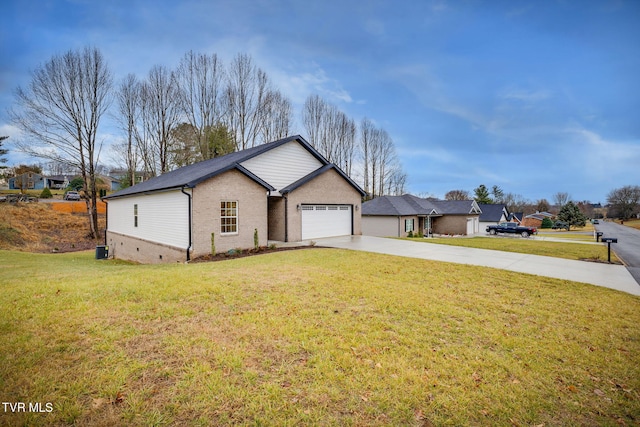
406,225
229,233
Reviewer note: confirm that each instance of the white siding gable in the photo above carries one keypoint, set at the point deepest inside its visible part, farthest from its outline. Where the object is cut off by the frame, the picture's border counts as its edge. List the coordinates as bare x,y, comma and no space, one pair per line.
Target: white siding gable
283,165
162,217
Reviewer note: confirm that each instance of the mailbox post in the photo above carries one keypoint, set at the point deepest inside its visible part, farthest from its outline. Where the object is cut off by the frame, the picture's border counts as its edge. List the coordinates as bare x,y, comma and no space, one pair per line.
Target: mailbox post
609,241
598,235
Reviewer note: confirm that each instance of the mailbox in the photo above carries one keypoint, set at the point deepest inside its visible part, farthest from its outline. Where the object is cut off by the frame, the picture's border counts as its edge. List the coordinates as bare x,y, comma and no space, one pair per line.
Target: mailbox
598,235
609,241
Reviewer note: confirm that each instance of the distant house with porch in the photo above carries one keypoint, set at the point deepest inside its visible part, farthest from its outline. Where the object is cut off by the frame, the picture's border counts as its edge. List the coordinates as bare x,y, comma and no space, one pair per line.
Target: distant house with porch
398,216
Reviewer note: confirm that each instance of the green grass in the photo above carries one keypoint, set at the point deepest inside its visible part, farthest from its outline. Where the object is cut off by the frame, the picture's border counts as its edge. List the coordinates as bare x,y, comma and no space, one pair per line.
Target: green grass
566,250
313,337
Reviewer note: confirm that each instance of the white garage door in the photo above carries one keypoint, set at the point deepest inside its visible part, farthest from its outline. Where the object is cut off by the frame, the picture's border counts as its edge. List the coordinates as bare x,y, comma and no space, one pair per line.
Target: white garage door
325,221
469,226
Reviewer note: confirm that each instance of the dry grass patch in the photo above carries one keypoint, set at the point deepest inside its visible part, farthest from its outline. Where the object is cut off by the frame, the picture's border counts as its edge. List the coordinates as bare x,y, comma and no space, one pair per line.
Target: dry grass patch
633,223
312,337
36,227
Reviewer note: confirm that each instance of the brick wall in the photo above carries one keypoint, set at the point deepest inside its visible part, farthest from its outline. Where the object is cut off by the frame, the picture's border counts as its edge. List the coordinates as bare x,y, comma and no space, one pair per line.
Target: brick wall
252,213
329,188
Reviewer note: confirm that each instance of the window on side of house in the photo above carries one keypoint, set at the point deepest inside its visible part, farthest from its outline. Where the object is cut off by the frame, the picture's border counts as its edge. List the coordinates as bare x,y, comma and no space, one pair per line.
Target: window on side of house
408,225
228,217
135,215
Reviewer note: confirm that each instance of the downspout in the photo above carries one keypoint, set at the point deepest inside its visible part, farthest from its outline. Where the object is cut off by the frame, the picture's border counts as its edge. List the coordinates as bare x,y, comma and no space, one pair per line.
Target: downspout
286,218
189,210
106,219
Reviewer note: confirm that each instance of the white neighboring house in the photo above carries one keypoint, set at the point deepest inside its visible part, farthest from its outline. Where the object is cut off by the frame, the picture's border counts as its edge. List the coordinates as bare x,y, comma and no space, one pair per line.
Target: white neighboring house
284,191
493,214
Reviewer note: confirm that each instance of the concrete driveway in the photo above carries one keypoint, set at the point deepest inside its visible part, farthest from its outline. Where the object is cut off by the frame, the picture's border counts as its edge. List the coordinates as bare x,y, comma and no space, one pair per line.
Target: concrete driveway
607,275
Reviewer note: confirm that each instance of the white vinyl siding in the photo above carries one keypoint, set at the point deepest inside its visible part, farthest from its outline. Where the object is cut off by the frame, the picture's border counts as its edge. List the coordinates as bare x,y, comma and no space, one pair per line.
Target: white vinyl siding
325,221
283,165
159,217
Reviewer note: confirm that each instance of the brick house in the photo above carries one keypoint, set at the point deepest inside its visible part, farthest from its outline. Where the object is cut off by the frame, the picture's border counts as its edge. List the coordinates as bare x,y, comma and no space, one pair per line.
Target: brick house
397,216
284,191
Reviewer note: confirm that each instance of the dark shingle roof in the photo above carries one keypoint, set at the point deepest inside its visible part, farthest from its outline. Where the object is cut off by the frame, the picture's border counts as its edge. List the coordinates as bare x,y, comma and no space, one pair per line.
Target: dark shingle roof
398,206
491,212
192,175
408,204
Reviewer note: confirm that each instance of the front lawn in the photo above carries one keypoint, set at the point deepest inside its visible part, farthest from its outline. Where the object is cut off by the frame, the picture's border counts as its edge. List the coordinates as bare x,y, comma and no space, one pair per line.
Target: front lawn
313,337
566,250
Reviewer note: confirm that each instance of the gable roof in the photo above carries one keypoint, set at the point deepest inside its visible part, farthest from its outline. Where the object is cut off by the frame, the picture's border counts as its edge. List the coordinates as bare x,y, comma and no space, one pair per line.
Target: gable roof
493,212
398,206
191,175
457,207
408,204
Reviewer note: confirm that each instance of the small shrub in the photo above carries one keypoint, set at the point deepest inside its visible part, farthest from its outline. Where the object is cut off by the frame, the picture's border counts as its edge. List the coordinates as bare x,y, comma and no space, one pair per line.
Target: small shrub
272,246
546,223
46,194
256,241
410,234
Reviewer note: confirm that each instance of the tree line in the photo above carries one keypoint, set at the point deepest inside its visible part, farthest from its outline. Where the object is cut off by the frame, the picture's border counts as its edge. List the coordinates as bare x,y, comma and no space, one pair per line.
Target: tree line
175,117
623,202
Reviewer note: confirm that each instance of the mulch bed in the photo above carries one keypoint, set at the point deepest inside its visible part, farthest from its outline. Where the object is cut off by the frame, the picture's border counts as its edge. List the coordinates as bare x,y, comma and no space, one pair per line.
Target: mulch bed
233,254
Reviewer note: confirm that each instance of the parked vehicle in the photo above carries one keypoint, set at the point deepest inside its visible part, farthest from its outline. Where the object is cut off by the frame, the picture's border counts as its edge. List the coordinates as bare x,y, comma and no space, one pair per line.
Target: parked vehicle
511,228
71,195
559,225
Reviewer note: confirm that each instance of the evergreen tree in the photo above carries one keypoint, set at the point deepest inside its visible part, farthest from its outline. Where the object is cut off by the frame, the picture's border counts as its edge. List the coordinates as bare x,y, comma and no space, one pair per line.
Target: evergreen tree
572,215
482,195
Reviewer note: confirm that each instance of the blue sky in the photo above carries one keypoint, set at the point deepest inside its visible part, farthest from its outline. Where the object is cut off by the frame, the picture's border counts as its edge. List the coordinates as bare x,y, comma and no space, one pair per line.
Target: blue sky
535,96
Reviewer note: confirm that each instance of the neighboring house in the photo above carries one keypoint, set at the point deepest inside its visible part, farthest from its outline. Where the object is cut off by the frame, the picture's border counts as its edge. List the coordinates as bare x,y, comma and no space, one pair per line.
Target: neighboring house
492,214
397,216
284,191
535,219
59,182
27,181
516,217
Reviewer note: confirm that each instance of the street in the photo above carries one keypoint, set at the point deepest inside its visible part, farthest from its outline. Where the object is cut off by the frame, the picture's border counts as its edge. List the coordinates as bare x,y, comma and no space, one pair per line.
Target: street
628,246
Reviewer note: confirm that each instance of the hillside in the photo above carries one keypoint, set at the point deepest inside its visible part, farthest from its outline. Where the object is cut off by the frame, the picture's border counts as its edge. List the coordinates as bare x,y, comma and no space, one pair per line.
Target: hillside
37,227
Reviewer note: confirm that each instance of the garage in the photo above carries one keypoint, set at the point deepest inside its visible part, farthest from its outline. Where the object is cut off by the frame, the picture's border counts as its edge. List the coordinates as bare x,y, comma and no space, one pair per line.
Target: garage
326,221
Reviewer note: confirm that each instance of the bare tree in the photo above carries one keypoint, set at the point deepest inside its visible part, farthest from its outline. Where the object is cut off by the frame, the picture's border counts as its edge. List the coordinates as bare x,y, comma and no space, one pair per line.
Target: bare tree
457,195
396,181
331,132
244,101
367,130
561,198
128,100
624,202
200,80
276,118
60,111
159,97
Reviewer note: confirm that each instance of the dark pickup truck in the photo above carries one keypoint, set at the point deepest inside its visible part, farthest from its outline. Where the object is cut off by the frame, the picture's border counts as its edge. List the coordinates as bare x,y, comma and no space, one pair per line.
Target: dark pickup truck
511,228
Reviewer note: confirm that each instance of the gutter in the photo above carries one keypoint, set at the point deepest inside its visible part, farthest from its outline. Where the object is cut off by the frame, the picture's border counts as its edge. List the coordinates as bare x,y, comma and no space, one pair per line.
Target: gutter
106,219
190,220
286,217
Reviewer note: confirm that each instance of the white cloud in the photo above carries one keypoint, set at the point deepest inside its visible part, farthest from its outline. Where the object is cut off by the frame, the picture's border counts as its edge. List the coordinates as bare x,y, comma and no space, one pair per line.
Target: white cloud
300,80
526,95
